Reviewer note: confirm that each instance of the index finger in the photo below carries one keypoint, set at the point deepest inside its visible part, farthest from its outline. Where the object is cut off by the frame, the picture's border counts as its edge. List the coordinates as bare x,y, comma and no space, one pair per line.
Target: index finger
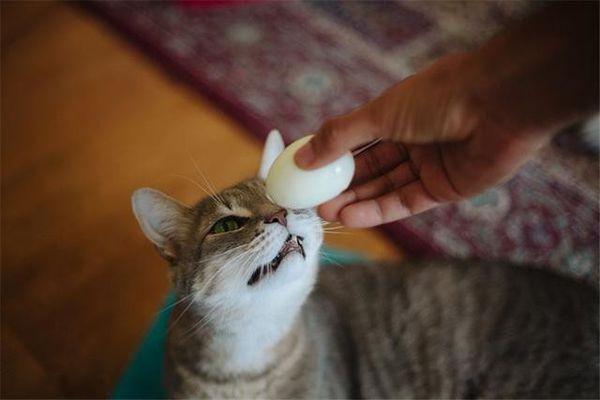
338,136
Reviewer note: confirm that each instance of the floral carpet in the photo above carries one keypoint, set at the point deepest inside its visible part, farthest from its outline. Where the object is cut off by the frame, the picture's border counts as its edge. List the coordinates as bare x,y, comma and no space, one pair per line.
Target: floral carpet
290,65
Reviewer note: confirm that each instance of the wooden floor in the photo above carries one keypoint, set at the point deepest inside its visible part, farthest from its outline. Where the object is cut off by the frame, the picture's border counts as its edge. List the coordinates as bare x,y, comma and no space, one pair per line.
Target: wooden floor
86,119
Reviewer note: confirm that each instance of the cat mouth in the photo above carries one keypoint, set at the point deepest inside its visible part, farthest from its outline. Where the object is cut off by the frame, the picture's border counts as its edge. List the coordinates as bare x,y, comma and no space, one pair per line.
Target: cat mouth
292,244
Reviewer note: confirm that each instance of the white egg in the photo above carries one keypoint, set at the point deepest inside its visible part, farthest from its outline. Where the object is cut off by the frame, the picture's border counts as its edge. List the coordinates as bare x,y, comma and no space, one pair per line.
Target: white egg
292,187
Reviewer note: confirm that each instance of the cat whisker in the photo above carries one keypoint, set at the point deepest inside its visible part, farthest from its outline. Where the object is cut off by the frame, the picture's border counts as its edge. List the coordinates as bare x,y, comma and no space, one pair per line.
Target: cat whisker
245,257
215,195
337,230
322,222
335,227
250,261
179,316
222,254
331,260
202,322
208,281
184,298
195,183
251,256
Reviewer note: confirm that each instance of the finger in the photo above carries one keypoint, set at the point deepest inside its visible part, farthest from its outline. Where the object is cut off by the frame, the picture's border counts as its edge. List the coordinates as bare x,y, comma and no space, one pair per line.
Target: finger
388,182
329,211
378,160
336,137
408,200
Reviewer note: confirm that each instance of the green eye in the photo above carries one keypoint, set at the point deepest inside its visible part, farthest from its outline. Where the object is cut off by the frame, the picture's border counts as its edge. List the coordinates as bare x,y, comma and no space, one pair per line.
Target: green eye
227,224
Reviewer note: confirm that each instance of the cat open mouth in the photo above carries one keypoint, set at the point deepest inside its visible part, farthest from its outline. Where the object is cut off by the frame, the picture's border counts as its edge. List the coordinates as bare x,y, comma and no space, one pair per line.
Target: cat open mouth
292,244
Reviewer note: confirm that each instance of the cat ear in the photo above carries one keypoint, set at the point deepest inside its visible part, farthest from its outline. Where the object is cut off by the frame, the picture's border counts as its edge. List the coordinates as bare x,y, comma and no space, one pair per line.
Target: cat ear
273,147
162,219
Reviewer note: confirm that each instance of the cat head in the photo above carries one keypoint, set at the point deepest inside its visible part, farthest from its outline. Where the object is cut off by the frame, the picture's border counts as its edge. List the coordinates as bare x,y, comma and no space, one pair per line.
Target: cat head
236,248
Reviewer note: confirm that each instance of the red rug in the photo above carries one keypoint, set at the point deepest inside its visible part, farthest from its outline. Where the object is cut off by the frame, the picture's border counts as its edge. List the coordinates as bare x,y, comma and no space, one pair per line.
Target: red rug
290,65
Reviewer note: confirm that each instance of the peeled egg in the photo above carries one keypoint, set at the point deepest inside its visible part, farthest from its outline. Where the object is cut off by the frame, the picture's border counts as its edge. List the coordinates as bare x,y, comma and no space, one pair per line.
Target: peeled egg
292,187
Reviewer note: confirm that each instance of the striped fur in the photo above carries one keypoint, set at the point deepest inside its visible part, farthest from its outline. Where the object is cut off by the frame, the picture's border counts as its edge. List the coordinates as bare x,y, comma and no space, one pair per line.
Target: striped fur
467,330
418,330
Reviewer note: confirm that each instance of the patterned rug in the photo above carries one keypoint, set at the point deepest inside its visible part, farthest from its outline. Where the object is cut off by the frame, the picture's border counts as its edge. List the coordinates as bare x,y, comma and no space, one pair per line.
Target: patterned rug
290,65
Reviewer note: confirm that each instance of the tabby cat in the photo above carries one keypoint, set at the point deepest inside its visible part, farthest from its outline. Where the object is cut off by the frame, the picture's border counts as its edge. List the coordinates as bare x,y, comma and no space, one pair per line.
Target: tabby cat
256,317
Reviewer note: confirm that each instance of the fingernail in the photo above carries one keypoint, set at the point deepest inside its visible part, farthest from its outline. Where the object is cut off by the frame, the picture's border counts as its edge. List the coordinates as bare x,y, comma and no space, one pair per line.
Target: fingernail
305,156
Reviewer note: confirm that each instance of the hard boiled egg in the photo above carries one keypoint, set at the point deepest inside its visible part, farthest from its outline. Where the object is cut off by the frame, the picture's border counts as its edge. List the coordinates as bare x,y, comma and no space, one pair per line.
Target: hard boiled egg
292,187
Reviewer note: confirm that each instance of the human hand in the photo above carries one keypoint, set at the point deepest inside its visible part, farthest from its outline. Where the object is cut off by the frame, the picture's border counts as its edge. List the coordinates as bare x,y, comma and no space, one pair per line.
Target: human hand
442,144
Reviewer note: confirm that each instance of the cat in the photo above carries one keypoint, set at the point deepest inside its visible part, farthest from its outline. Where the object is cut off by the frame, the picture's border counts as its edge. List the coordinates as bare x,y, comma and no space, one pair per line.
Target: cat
257,318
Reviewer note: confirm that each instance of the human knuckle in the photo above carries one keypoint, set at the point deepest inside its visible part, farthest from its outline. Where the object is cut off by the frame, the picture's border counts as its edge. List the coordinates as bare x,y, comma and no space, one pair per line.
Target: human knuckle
389,183
405,203
379,211
333,136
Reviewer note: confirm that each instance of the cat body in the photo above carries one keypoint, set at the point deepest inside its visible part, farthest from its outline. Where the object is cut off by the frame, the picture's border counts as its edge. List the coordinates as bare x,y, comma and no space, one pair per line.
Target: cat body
456,329
257,318
430,329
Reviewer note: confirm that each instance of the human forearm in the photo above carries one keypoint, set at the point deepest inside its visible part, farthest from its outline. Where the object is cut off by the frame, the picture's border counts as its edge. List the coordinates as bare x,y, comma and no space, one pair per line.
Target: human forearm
542,74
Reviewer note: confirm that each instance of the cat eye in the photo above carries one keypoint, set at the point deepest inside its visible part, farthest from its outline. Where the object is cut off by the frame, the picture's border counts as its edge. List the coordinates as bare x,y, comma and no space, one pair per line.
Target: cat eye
228,224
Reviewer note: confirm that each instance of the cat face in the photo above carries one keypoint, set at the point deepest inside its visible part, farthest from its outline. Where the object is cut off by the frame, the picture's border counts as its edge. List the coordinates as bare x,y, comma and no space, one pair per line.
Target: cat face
236,247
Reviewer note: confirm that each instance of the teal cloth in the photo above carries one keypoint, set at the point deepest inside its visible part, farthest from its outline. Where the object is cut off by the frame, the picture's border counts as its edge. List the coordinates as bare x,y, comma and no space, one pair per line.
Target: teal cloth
143,377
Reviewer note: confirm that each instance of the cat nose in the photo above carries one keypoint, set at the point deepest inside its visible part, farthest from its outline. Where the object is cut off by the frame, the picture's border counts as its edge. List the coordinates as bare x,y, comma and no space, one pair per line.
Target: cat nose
278,217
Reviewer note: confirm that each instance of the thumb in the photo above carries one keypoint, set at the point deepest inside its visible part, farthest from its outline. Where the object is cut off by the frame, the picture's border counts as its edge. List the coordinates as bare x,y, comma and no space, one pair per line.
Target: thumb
338,136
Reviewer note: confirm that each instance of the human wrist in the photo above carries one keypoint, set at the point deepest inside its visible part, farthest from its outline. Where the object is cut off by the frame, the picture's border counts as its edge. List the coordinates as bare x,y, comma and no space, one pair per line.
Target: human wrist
500,133
541,74
473,82
504,105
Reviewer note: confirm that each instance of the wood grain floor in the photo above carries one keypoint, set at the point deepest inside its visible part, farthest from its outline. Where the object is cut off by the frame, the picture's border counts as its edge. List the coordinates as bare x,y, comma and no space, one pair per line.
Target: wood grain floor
86,119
